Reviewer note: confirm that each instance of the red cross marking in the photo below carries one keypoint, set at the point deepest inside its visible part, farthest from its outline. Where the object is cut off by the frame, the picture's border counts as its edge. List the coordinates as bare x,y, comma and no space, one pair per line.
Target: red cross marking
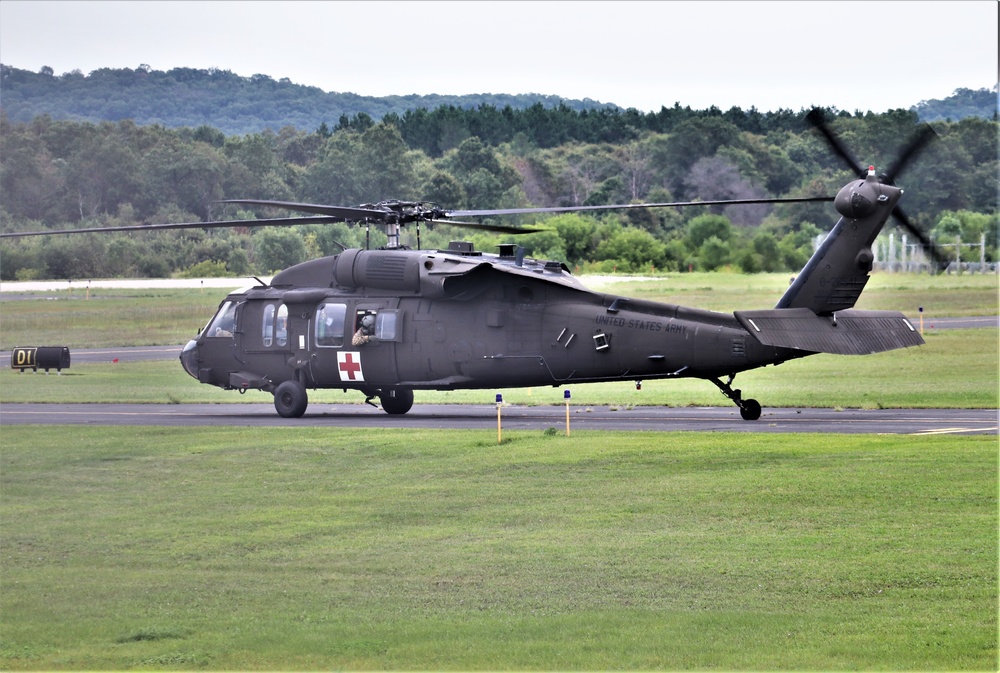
349,366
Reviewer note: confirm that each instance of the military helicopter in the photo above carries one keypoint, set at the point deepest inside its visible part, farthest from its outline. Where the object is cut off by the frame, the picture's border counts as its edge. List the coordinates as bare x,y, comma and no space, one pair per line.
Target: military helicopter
392,320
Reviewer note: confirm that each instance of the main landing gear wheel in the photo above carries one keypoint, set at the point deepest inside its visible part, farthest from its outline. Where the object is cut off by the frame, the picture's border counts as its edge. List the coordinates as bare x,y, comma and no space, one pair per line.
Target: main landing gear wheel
396,400
290,399
749,409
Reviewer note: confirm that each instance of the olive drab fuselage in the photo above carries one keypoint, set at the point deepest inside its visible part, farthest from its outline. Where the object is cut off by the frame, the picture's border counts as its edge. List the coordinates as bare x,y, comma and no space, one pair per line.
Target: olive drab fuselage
474,325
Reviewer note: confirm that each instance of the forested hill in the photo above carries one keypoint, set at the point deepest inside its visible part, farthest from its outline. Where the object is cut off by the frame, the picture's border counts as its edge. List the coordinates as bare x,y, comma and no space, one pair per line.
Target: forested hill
236,105
961,104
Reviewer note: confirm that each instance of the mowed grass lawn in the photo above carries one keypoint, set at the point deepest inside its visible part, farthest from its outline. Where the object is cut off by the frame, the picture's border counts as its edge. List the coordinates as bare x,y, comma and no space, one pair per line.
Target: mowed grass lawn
277,548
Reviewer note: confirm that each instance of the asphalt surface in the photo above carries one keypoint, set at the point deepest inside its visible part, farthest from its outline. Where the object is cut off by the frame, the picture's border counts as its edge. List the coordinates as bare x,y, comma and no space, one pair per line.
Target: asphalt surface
958,323
540,418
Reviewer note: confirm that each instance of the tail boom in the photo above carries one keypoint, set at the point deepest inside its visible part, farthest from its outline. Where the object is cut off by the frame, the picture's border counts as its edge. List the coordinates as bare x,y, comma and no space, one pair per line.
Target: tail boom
833,278
816,314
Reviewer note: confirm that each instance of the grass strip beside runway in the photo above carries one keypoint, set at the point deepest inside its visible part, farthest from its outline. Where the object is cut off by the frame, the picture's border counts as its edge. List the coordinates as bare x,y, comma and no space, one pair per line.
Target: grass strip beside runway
277,548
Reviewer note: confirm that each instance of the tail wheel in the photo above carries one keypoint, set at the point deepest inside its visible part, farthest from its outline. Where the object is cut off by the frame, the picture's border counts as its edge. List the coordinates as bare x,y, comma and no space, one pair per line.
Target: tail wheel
290,399
396,400
750,410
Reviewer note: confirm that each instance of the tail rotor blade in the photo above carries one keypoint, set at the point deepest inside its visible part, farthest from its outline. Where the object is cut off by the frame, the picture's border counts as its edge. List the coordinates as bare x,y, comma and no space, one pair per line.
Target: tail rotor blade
815,117
935,253
917,144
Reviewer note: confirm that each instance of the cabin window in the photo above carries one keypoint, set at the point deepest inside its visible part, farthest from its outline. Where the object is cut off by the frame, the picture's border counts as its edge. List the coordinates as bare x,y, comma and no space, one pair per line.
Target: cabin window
224,323
268,326
387,325
330,325
281,326
372,326
364,327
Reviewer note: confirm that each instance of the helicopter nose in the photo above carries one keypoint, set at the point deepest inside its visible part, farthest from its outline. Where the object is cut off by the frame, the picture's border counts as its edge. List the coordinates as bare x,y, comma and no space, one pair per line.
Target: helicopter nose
189,358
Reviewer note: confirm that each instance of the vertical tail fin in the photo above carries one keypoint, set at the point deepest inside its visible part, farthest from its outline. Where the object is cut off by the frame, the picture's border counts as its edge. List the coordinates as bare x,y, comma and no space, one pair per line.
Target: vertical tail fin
833,278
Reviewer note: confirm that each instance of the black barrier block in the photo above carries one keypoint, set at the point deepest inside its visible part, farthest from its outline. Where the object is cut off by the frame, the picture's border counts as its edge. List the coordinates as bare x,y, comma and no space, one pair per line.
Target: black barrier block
40,357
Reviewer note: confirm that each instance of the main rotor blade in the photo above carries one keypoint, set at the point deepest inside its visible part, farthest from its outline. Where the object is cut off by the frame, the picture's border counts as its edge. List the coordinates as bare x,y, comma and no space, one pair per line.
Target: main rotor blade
486,227
629,206
281,222
331,214
344,213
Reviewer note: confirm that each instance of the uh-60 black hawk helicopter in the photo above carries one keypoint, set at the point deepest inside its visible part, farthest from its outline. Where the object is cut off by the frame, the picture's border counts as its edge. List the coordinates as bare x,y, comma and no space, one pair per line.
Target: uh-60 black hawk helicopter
393,320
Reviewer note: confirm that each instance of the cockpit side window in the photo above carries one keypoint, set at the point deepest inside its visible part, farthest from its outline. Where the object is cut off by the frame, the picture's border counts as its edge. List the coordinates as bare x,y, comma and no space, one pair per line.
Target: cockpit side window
330,325
267,326
224,323
281,326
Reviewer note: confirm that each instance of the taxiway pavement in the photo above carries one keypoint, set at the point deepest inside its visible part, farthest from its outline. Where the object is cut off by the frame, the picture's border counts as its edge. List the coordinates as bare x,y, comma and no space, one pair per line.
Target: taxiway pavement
539,418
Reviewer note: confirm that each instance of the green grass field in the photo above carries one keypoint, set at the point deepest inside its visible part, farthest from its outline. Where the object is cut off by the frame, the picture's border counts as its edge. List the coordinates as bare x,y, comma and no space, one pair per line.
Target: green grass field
320,549
151,548
108,318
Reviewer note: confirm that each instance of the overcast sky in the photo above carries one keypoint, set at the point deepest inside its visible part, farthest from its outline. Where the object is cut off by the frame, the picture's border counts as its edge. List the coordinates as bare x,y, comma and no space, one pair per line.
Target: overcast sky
769,55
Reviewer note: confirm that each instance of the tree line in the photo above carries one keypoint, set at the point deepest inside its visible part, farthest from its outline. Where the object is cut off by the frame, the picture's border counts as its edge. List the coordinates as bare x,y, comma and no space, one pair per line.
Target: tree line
56,173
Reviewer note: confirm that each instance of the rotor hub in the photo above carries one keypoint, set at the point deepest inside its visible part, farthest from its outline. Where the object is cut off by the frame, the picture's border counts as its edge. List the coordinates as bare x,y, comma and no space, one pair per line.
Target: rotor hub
860,198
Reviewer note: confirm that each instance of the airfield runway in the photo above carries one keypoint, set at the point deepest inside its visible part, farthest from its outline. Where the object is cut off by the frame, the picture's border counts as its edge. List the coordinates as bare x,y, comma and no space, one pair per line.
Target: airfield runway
538,418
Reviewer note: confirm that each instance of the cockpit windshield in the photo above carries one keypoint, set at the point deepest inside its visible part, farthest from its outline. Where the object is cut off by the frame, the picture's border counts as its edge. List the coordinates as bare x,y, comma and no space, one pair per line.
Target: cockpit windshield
224,322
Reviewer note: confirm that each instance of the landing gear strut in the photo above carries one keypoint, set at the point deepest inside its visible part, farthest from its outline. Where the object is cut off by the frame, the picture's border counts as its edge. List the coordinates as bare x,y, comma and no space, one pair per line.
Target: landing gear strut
395,401
749,409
